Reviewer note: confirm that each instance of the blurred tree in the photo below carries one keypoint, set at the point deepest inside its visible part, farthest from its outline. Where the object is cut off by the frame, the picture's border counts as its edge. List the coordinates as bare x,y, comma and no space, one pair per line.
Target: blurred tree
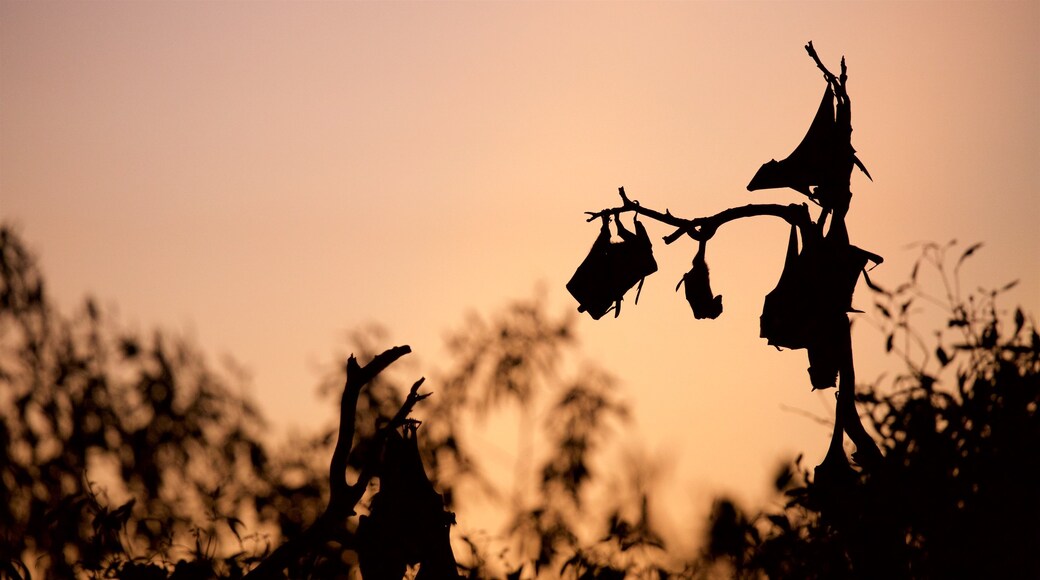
128,457
132,457
568,409
94,415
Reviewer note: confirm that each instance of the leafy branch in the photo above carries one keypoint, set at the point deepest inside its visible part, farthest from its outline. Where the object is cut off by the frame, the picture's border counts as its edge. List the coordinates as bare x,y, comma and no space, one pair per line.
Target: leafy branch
809,307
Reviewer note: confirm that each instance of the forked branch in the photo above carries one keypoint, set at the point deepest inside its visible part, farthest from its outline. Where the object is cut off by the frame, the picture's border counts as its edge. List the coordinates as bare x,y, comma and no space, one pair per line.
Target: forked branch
343,496
703,228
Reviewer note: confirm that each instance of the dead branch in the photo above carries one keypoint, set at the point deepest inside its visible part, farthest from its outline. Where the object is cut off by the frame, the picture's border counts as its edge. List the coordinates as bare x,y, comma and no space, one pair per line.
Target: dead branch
343,496
837,83
703,228
357,378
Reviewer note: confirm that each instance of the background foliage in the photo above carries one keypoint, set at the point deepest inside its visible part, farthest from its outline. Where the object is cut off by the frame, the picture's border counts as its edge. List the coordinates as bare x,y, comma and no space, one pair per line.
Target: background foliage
132,455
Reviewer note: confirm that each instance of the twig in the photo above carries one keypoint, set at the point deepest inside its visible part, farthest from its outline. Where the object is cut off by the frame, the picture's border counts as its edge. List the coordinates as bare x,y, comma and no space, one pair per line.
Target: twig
809,415
794,214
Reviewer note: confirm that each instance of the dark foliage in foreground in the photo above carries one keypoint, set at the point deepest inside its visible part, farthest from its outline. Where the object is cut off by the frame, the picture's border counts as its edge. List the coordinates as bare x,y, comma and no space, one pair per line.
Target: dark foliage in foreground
164,438
956,494
131,457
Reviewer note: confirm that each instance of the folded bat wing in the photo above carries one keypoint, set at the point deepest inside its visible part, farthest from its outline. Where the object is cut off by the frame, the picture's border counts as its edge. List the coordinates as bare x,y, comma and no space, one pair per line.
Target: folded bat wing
808,163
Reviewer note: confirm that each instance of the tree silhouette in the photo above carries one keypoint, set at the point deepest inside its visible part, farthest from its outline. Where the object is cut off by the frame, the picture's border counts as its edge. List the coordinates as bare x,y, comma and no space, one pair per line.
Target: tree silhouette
808,309
91,410
955,496
168,436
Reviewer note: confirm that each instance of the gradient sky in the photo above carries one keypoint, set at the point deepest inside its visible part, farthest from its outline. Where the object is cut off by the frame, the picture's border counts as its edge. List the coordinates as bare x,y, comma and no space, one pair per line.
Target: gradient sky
267,176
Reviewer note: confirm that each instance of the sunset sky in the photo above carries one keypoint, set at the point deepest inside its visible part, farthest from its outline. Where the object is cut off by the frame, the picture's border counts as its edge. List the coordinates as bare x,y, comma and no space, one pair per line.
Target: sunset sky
266,177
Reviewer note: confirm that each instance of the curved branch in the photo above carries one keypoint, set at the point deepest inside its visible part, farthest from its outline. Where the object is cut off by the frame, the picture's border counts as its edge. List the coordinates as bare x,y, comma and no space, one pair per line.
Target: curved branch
703,228
629,205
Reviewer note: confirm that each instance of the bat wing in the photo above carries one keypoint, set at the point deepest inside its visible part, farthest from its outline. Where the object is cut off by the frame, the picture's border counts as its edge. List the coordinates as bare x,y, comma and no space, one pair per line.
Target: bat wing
809,162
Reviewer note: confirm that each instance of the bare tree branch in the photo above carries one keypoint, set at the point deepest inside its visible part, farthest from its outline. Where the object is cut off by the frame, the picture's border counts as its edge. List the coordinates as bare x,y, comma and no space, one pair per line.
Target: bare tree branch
343,496
343,505
703,228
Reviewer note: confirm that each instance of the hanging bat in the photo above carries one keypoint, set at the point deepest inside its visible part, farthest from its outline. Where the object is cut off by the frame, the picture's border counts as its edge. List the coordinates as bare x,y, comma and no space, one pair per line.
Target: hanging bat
702,300
823,159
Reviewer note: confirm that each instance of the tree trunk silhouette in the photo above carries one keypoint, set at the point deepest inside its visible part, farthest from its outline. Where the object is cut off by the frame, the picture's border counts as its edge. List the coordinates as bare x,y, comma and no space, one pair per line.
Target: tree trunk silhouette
344,496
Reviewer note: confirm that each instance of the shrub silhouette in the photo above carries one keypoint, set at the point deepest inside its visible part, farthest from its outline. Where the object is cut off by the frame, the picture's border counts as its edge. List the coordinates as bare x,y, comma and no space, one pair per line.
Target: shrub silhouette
166,432
85,374
959,430
895,516
955,496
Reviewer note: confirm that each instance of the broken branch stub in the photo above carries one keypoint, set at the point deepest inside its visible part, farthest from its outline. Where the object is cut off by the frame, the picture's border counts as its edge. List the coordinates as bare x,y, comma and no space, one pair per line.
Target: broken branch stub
611,269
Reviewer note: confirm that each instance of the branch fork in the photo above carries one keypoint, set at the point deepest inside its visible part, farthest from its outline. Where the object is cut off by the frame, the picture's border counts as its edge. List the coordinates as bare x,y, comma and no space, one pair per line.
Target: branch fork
704,228
344,496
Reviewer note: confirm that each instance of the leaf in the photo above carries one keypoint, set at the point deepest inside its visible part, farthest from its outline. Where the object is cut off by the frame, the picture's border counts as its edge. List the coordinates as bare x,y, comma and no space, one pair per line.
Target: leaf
1009,285
927,382
234,524
967,253
888,343
1020,320
944,359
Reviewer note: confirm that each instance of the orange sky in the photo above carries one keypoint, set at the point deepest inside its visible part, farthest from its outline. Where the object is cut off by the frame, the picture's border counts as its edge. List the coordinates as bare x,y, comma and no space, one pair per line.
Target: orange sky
267,176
